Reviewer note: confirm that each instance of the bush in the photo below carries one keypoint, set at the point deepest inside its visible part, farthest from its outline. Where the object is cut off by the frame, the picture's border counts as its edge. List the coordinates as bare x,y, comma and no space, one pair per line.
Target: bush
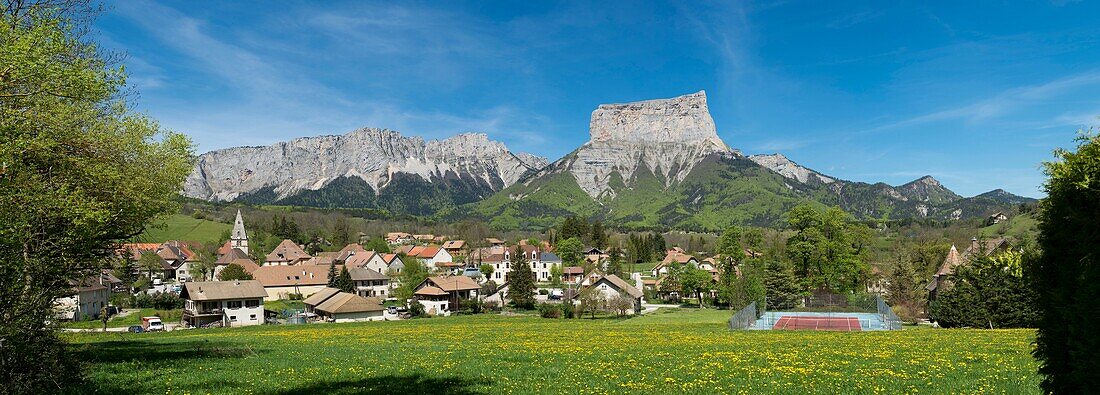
491,306
983,294
142,301
471,306
568,310
416,309
294,297
544,291
547,310
167,301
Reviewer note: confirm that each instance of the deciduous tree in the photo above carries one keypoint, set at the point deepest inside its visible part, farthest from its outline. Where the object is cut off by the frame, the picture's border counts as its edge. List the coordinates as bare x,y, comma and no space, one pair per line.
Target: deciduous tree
79,172
1067,274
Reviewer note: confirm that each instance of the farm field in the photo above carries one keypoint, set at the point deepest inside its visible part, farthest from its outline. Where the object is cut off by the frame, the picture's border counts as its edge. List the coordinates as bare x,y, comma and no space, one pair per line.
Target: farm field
673,351
183,227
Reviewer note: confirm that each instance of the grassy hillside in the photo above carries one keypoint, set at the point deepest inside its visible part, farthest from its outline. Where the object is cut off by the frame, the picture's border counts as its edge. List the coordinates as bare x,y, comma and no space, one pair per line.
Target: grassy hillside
688,351
182,227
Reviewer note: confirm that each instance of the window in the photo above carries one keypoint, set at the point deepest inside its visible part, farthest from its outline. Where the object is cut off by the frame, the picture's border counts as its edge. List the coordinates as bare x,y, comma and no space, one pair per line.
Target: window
233,304
253,317
252,303
233,318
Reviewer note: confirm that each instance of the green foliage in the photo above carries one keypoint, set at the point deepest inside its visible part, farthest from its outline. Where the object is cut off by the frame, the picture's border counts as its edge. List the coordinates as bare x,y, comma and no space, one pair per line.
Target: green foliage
782,290
521,281
549,310
378,244
556,273
985,293
906,288
695,281
344,282
828,250
574,227
411,276
598,236
591,302
615,261
333,276
233,272
486,270
1067,273
571,251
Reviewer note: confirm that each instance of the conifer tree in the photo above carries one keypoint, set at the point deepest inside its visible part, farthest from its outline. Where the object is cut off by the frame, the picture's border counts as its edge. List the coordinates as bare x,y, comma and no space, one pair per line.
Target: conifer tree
521,281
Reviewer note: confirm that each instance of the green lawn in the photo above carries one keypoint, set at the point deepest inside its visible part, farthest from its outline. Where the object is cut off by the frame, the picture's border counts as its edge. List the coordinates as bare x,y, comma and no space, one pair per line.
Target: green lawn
182,227
166,316
675,351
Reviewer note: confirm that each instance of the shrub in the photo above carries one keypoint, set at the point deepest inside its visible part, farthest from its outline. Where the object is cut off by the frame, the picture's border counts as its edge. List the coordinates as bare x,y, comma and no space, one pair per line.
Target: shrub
416,309
491,306
142,301
543,291
471,306
568,310
547,310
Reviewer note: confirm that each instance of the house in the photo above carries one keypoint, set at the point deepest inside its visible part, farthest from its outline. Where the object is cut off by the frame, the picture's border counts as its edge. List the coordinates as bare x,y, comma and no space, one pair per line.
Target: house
954,259
539,261
163,270
245,263
332,305
671,258
454,247
494,242
398,238
424,238
370,282
394,264
572,274
234,255
280,282
996,218
87,299
286,253
180,256
228,303
611,286
113,283
368,259
442,295
323,259
595,255
430,255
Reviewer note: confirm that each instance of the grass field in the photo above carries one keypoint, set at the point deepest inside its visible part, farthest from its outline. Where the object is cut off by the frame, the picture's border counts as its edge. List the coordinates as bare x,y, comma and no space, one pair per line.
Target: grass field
673,351
182,227
130,319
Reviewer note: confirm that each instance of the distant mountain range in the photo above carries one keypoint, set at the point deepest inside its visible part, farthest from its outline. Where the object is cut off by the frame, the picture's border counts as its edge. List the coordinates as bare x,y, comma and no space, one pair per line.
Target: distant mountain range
649,164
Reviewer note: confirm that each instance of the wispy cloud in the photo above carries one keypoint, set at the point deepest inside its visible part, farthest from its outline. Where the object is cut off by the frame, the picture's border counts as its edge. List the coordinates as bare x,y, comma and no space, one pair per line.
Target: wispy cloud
998,105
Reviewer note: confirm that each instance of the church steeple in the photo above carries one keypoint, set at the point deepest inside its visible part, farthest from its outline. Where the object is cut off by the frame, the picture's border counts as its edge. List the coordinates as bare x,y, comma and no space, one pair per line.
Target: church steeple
239,239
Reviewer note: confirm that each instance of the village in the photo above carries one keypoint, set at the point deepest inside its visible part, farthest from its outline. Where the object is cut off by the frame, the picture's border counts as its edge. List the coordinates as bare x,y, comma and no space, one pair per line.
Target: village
354,284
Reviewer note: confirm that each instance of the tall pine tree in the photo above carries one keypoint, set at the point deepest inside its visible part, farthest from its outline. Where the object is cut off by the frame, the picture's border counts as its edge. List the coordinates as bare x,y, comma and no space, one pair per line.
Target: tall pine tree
521,281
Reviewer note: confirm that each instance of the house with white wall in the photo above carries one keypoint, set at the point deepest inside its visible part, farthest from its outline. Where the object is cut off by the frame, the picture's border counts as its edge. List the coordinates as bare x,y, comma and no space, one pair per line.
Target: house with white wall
230,303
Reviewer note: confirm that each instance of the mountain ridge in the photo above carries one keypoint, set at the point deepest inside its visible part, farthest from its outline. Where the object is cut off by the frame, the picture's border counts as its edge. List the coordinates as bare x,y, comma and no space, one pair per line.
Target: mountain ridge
647,164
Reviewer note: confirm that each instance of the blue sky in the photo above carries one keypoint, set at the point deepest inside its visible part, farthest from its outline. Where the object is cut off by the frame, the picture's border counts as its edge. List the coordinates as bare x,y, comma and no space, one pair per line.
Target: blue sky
976,94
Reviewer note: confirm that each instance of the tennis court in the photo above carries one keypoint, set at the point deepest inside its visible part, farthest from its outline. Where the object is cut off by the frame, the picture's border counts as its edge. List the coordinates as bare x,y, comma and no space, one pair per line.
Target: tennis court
844,324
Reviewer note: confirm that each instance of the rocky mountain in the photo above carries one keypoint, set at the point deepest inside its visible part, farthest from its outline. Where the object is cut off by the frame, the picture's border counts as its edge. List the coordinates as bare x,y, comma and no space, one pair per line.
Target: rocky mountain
661,164
371,168
787,168
651,164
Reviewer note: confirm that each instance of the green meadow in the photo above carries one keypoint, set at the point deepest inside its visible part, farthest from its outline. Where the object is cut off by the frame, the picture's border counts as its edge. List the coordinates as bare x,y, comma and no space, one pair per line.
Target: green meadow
671,351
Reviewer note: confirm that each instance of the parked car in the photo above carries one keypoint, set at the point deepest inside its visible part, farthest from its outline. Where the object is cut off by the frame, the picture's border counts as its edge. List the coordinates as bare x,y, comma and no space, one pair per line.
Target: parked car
150,324
392,309
157,281
135,329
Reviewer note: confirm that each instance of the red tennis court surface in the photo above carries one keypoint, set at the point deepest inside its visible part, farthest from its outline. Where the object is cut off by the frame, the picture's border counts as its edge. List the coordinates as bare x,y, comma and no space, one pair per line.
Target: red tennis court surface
818,323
